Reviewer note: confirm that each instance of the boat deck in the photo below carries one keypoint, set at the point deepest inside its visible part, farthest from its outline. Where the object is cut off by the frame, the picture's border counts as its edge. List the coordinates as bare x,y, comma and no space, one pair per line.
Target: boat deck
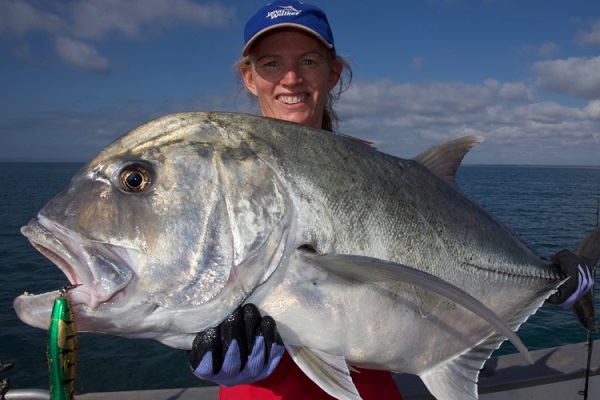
557,373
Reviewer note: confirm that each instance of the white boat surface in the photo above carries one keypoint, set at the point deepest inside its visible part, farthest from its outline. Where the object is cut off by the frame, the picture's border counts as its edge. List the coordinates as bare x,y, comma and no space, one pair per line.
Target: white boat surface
557,373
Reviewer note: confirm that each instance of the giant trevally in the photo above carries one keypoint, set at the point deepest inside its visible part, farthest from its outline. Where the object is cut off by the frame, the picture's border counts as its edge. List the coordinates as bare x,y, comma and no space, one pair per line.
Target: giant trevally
362,258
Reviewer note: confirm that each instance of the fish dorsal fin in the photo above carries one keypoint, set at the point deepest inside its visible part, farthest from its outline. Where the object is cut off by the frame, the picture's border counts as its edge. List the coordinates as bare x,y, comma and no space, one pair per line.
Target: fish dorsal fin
356,140
444,159
329,371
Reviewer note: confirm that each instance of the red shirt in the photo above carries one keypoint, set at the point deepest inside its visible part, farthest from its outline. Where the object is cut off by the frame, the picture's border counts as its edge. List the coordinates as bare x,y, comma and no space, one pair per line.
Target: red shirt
289,382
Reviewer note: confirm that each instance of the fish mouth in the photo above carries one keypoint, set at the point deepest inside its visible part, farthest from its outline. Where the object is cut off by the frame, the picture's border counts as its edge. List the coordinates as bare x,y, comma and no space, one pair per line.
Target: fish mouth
98,268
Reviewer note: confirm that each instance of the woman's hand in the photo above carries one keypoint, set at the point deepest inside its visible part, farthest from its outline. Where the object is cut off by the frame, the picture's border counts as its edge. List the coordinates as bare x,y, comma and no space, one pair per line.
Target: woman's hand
243,349
581,279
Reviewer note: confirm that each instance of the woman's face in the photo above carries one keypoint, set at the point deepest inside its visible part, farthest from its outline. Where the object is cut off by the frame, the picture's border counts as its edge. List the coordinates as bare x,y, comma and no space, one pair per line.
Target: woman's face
291,72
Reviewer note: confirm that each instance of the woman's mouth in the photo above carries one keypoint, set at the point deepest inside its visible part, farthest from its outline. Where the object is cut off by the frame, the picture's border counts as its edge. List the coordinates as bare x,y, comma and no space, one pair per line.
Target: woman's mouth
291,100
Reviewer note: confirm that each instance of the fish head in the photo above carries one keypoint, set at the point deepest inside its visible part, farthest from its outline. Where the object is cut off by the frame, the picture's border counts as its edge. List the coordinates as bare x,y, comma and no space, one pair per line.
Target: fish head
166,231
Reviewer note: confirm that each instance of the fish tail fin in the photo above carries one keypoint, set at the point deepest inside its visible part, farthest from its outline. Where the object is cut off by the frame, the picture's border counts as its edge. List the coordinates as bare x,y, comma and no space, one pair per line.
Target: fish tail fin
584,311
569,264
589,249
583,308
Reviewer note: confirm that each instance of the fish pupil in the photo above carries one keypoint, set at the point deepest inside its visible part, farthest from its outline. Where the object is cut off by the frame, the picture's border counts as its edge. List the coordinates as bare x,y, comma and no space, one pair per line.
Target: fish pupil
134,180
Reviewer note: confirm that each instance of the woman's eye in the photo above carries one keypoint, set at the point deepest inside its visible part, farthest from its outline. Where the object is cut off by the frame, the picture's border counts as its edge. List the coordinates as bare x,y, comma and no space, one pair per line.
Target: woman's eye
135,178
271,64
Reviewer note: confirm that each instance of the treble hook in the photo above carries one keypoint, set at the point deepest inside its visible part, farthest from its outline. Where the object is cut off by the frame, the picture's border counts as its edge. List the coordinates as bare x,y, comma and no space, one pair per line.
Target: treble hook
66,288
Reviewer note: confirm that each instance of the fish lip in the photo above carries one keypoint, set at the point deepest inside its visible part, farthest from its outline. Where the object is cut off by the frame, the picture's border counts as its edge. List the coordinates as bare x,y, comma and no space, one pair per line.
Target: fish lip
96,266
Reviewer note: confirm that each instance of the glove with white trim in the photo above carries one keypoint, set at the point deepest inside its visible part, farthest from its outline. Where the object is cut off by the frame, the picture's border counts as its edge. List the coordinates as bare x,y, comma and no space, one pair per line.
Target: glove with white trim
581,279
243,349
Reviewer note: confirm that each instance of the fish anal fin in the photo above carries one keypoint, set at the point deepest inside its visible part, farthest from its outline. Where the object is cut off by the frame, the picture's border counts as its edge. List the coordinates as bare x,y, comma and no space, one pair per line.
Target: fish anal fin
457,379
329,371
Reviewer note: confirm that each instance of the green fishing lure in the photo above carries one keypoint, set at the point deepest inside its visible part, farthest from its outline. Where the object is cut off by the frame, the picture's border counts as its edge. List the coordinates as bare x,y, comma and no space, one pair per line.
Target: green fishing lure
62,348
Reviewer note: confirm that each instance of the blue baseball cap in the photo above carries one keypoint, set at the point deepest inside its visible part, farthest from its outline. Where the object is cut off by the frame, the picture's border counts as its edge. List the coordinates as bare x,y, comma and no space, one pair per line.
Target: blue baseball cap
287,13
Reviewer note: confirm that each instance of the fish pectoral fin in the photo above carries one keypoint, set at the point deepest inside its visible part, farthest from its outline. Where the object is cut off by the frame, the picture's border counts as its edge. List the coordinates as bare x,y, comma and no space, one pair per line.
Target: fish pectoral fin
363,269
327,370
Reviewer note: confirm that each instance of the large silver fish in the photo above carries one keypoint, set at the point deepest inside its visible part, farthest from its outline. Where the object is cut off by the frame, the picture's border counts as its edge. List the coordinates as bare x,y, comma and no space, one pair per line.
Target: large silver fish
363,259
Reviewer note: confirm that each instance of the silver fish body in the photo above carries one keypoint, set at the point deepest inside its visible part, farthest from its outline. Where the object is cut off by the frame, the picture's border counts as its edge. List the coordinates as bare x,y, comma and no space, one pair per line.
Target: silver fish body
184,218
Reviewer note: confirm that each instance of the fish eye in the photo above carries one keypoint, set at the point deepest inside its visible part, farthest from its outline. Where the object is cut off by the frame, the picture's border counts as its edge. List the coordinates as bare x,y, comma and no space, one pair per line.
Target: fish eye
135,177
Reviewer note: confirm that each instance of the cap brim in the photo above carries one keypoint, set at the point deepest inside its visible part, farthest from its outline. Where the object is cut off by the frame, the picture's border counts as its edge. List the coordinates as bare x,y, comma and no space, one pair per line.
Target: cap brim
253,39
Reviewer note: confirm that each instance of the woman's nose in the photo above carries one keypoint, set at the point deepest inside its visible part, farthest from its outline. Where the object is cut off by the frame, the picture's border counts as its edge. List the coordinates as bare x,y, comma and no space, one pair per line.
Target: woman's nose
291,76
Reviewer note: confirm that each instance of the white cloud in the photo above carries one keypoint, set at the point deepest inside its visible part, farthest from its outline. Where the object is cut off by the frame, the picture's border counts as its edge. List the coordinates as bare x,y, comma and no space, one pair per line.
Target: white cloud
546,113
18,18
431,98
548,49
81,55
575,76
590,37
405,119
95,20
516,91
593,109
417,63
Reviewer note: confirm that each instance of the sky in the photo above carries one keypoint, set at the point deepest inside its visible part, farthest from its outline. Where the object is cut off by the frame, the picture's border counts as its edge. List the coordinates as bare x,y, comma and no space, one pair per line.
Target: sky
525,74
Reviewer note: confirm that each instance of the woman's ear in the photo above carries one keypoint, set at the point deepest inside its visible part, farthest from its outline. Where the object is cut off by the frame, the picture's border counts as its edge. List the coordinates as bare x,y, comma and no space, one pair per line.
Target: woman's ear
334,74
248,77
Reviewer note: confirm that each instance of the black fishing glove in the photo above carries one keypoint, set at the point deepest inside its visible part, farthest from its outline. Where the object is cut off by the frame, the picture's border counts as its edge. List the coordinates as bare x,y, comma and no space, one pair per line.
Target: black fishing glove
581,279
245,348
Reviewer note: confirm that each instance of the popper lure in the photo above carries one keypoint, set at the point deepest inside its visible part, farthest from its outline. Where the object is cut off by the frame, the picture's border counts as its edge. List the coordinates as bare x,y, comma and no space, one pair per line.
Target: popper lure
62,348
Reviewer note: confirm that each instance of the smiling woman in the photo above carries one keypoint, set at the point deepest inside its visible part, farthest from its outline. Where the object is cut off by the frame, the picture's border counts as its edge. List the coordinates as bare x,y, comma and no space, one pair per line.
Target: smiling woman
291,74
290,64
291,68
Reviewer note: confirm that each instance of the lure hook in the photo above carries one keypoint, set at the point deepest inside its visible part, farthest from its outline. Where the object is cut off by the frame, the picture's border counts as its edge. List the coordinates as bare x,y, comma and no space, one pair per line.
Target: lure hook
67,288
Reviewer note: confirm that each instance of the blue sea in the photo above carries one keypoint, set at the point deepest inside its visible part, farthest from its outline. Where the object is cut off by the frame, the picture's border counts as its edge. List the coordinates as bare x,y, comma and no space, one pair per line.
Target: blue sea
550,207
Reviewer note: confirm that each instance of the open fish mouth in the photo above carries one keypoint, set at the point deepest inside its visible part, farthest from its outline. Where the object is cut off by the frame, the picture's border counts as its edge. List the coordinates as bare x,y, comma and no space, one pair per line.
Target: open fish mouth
99,269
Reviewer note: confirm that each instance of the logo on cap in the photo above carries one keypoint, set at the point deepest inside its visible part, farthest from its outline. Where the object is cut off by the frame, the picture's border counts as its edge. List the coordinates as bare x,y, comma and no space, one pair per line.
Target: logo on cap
284,11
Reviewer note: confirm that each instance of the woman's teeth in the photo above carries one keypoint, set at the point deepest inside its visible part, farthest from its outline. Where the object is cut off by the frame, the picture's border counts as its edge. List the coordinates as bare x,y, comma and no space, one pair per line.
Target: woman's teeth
291,99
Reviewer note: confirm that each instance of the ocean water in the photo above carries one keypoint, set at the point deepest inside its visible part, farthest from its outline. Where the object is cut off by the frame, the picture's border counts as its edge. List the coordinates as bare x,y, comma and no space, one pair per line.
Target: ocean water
551,208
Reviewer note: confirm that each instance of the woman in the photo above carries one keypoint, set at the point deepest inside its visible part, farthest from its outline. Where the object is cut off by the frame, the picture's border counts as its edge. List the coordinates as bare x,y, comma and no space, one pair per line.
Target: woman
291,67
292,71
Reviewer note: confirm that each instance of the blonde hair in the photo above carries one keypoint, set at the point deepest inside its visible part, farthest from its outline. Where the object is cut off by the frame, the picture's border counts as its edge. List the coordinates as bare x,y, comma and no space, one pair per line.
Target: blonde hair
330,118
